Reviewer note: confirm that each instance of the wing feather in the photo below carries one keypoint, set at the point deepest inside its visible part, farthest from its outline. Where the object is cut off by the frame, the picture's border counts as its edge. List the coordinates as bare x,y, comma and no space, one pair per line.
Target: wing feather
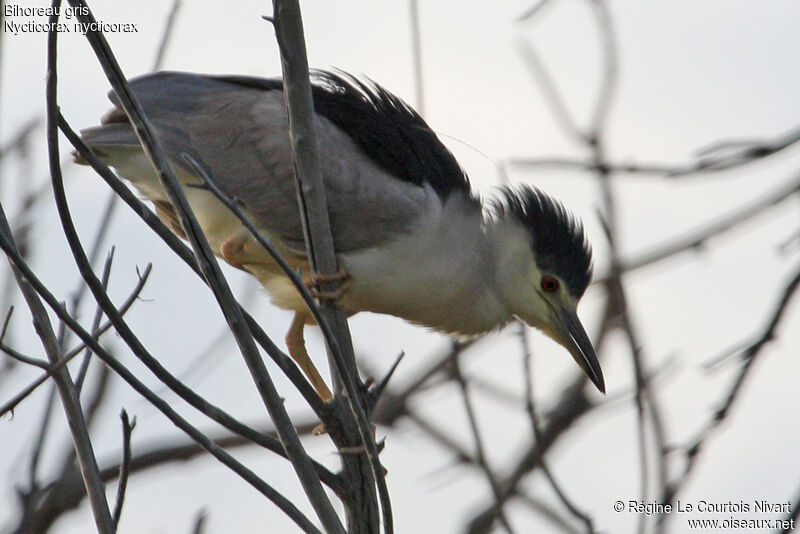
239,134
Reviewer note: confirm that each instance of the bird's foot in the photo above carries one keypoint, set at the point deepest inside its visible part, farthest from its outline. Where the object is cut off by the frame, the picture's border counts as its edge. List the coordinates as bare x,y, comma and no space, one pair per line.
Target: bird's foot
317,279
296,344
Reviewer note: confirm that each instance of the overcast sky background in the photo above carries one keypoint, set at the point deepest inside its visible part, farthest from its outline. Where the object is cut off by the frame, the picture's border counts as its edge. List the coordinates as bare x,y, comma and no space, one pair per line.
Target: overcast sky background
691,73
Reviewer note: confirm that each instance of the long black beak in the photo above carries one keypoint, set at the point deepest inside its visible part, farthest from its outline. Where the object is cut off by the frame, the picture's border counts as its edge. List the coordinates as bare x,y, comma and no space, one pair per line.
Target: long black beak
575,340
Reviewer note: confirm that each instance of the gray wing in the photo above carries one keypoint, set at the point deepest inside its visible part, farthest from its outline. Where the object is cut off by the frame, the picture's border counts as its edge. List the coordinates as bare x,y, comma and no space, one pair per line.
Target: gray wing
239,135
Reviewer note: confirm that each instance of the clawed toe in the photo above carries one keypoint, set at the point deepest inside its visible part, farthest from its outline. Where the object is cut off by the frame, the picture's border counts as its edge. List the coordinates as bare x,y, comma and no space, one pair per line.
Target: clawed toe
318,278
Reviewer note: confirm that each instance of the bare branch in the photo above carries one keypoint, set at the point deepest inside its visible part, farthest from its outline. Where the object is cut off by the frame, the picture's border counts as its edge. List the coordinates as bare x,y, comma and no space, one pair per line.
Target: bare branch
748,355
98,315
533,11
96,334
20,141
416,56
167,35
550,91
69,397
66,493
376,391
568,408
125,466
481,456
365,475
536,432
694,240
610,55
708,161
200,522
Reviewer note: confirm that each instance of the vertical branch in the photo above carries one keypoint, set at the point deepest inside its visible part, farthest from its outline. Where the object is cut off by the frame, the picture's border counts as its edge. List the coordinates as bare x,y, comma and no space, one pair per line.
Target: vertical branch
479,450
125,465
535,430
607,91
363,474
416,56
41,439
69,395
616,294
165,38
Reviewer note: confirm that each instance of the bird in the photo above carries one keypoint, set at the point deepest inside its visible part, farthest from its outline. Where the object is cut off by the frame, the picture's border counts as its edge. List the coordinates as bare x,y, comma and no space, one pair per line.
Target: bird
411,236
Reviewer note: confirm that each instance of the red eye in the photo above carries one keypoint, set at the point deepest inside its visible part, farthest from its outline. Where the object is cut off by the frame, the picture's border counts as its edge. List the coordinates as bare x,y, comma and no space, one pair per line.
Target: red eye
549,284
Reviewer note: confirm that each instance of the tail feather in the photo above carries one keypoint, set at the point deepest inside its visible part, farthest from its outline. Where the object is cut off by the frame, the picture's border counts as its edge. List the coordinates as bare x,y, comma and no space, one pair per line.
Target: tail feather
112,135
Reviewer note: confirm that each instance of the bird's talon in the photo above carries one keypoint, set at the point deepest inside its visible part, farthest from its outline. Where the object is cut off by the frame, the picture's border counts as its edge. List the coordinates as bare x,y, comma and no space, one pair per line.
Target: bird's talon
318,278
321,278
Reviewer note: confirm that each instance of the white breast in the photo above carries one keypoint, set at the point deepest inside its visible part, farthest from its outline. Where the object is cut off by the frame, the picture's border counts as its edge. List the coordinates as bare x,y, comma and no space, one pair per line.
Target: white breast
441,274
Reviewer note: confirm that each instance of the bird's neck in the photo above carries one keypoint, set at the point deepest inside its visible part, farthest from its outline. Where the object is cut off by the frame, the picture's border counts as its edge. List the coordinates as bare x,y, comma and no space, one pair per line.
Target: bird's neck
441,275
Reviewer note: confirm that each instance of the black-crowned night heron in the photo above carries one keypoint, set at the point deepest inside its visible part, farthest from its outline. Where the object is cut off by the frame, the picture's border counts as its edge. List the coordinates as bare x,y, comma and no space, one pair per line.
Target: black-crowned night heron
413,238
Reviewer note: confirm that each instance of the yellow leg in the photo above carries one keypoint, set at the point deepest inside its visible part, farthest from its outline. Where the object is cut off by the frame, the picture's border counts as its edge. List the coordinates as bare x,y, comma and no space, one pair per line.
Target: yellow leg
297,349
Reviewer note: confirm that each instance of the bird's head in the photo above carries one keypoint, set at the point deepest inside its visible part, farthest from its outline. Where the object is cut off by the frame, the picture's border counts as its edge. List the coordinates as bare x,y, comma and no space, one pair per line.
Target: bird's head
544,265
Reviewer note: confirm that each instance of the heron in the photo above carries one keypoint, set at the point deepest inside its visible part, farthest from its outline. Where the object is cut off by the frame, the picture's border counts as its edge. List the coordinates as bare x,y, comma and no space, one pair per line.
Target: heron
411,236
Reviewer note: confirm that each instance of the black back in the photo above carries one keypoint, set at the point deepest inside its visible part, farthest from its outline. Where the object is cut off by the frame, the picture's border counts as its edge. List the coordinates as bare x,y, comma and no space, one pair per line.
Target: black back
387,129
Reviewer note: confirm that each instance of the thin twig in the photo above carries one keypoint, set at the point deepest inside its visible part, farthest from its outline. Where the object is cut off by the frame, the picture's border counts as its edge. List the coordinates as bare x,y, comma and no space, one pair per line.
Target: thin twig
479,450
645,399
530,13
416,56
200,521
66,493
568,409
67,391
41,438
395,404
549,90
748,355
98,314
125,465
313,206
51,369
167,35
22,358
21,140
718,226
536,432
376,391
610,54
